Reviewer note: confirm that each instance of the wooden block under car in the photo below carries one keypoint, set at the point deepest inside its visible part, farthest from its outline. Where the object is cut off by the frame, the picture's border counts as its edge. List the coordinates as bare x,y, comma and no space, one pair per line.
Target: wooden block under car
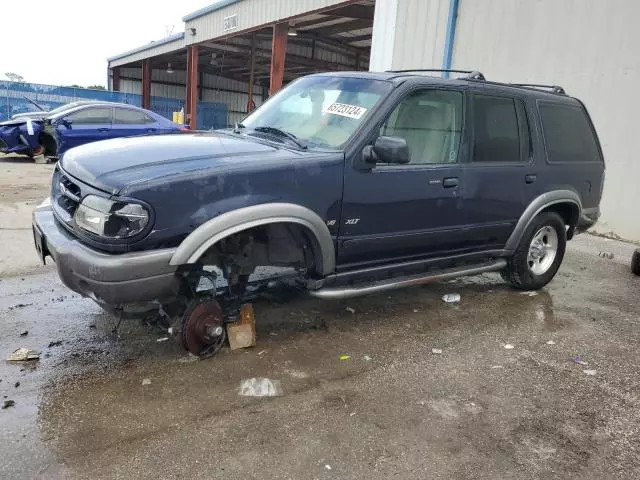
242,334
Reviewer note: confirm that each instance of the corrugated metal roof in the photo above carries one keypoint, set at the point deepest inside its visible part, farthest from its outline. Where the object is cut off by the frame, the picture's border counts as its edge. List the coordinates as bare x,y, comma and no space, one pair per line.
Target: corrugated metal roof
157,43
211,8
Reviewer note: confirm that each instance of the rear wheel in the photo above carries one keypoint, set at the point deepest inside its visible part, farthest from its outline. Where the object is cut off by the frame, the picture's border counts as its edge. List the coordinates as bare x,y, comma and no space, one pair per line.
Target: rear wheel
539,254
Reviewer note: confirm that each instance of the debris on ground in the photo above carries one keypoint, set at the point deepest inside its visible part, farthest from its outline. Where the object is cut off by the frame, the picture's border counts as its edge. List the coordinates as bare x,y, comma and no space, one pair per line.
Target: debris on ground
328,467
352,414
163,339
262,352
415,310
57,343
497,366
350,310
146,381
607,255
242,334
437,351
17,384
260,387
451,298
578,360
25,333
551,342
8,403
345,357
20,305
529,293
367,358
590,372
508,346
23,355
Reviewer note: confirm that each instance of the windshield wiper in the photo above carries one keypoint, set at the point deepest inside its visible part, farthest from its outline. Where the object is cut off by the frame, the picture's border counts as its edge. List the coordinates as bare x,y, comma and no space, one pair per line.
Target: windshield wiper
282,133
238,126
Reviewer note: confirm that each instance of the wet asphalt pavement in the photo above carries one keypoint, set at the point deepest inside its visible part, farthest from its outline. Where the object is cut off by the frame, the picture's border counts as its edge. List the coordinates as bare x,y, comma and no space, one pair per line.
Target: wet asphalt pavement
476,410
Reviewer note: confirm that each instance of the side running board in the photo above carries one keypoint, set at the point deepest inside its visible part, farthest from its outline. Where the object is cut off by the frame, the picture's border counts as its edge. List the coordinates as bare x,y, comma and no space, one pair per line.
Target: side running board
393,284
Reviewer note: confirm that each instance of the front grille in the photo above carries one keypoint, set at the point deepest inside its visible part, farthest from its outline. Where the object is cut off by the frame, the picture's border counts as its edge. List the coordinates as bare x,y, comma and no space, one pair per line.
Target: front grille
66,195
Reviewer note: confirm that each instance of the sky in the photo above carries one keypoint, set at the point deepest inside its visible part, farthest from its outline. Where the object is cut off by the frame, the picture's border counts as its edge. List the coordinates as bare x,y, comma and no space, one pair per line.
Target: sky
67,42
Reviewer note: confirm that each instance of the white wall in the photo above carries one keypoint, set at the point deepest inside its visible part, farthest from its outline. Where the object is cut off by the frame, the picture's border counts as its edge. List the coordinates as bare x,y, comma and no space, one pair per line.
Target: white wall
408,34
590,47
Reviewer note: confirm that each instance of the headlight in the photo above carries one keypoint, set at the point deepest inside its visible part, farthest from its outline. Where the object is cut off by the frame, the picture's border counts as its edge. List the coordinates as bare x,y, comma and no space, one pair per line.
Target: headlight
111,219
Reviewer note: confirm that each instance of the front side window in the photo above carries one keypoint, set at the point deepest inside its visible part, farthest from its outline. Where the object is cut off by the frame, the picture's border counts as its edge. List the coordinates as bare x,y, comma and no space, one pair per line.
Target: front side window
495,130
568,135
431,123
90,116
320,111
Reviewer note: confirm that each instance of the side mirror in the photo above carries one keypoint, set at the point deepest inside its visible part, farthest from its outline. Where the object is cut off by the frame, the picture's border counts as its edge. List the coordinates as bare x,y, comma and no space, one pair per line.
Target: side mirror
387,150
66,123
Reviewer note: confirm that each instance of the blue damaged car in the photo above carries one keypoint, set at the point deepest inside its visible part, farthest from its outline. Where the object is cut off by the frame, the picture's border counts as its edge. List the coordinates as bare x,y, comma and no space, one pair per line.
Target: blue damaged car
74,124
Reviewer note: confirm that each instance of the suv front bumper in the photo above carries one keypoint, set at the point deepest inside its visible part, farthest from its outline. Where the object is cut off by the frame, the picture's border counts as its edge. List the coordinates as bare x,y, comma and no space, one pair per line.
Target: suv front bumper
127,278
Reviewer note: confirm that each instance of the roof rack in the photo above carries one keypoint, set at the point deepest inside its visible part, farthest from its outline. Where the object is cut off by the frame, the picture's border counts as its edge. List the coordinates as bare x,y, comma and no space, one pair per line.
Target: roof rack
470,74
554,88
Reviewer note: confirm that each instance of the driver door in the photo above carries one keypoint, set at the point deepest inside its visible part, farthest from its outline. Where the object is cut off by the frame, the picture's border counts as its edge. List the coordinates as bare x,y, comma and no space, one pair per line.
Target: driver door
395,211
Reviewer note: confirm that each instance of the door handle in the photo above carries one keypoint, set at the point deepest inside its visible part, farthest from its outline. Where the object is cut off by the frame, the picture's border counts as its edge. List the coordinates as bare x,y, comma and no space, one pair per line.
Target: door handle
450,182
151,130
104,129
530,178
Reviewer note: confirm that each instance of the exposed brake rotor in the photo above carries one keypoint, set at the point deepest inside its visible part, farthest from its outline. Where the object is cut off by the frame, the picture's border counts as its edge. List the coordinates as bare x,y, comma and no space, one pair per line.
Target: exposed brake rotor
203,330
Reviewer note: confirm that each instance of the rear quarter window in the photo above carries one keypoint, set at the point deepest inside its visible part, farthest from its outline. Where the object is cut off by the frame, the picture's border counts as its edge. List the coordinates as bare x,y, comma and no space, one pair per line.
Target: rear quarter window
568,134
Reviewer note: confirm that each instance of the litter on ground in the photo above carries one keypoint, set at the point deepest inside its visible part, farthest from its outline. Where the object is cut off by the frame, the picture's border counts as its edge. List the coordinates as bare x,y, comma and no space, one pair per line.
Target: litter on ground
163,339
25,333
260,387
551,342
345,357
508,346
437,351
328,467
579,361
23,355
8,403
529,293
367,358
451,298
350,310
146,381
590,372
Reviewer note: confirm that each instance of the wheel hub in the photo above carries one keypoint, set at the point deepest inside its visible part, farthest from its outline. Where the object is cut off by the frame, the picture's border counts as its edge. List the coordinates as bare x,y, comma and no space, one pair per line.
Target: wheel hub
542,250
203,331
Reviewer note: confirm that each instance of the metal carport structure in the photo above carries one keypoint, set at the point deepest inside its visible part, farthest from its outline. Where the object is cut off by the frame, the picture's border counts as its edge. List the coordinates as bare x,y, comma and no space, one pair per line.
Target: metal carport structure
239,51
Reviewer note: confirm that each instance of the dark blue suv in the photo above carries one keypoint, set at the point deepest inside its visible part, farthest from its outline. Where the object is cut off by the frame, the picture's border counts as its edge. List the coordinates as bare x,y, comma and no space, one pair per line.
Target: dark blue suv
349,183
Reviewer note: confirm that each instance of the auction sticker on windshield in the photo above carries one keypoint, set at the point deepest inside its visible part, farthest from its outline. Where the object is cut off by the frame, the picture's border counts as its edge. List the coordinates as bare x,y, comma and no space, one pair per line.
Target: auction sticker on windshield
345,110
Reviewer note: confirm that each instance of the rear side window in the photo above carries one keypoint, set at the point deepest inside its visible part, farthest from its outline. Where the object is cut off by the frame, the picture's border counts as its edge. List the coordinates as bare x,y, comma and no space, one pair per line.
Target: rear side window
568,135
130,117
495,130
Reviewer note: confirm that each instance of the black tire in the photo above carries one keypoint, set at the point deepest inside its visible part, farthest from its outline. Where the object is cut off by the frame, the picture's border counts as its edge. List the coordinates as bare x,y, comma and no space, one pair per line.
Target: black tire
635,262
518,273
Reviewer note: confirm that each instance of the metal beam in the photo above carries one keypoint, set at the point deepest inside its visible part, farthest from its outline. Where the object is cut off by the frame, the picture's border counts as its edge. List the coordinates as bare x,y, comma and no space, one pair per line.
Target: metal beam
342,27
364,12
146,84
278,55
192,85
115,79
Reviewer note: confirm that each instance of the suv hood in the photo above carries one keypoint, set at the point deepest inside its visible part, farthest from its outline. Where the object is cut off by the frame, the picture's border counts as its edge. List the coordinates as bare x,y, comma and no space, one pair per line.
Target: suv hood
113,165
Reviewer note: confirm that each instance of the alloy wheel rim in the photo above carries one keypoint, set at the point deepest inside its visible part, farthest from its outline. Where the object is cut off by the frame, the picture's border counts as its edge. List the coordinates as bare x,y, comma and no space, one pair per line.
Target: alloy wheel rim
542,250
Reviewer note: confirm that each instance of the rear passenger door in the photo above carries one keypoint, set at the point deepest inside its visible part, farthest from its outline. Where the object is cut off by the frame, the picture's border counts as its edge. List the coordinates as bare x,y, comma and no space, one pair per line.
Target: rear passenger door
128,122
500,178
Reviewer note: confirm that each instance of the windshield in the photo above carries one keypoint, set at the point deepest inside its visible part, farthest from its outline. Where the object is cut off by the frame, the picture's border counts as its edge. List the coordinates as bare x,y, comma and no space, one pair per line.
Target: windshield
320,111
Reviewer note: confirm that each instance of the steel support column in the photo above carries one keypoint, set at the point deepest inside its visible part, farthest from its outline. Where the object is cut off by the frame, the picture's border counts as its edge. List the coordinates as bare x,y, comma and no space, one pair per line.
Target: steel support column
115,79
192,86
278,55
146,84
252,68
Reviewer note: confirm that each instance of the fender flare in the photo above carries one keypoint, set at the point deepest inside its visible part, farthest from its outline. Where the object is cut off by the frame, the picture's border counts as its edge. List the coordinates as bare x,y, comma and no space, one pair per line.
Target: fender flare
214,230
538,205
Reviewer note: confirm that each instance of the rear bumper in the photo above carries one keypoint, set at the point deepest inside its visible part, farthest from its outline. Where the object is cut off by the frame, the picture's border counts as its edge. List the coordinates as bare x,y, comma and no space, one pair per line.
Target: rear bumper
588,219
111,279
